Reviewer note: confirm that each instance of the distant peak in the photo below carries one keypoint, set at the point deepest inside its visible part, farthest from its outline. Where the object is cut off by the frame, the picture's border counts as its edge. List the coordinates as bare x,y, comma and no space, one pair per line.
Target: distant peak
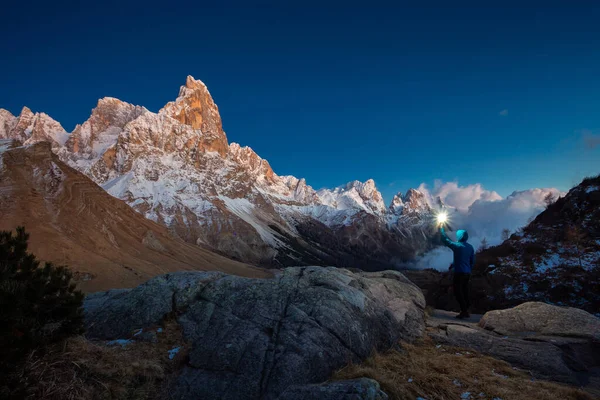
192,83
26,111
411,193
5,113
368,185
397,204
111,107
109,100
415,201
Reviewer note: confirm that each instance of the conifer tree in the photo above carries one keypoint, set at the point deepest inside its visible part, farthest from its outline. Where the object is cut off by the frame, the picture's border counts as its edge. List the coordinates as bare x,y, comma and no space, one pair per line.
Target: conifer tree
38,305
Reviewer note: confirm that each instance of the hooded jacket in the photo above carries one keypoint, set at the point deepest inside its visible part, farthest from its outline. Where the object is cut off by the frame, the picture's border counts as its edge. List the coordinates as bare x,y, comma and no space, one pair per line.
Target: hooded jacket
464,253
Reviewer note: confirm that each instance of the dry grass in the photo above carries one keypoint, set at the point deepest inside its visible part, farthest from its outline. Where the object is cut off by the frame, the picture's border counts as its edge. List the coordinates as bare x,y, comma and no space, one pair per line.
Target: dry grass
81,369
423,370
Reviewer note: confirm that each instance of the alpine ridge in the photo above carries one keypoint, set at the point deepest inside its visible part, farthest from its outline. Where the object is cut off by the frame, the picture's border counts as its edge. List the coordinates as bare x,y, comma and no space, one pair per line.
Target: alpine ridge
177,168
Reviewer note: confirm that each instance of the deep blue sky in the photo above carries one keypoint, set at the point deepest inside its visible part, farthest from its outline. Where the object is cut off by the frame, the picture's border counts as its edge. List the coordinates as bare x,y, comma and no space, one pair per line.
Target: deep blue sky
336,91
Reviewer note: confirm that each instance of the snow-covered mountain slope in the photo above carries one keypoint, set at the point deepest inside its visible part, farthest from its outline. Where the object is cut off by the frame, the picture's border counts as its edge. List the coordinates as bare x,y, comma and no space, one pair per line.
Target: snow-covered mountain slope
176,167
556,258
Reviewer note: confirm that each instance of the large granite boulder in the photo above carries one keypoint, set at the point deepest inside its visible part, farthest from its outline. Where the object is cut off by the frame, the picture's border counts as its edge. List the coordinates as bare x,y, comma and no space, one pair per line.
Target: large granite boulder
554,343
256,338
544,359
543,319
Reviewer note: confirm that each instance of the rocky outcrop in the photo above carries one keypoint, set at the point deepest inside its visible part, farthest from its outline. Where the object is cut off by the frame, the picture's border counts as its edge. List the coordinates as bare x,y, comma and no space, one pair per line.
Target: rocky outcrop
544,359
543,319
253,338
553,343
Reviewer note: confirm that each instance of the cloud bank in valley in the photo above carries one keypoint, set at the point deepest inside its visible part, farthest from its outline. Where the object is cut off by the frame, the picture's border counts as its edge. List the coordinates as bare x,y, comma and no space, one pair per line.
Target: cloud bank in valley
482,212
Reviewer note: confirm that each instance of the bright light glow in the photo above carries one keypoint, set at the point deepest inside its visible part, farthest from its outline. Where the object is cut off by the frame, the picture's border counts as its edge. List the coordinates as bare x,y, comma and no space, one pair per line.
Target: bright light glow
442,217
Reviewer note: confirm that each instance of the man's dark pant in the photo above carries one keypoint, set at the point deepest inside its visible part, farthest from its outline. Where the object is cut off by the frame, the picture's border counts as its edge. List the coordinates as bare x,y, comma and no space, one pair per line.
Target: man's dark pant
461,290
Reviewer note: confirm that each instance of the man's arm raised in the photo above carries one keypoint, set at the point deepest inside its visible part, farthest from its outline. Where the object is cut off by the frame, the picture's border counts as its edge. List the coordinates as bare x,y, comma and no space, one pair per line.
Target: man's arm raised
446,240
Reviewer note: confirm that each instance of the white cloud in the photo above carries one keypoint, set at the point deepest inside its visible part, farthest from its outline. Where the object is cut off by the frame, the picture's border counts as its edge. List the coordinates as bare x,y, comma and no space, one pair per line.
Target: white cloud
459,197
482,213
503,113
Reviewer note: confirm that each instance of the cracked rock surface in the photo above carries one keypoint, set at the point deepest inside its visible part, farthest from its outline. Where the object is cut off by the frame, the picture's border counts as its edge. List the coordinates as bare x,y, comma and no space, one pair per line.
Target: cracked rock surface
257,338
554,343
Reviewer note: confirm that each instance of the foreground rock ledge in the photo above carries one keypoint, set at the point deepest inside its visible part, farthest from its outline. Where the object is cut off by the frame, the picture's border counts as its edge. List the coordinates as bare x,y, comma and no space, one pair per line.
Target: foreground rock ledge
554,343
257,338
543,319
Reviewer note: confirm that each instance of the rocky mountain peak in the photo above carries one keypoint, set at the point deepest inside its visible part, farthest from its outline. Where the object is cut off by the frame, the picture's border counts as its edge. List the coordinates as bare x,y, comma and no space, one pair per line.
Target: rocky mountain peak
362,187
195,107
397,205
114,112
369,193
44,128
7,122
192,83
107,120
415,202
367,189
354,195
24,121
26,113
29,128
5,114
252,161
300,190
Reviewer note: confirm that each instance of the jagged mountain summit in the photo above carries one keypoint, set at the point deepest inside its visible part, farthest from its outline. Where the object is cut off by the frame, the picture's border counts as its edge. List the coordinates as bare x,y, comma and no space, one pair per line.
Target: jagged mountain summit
177,168
29,128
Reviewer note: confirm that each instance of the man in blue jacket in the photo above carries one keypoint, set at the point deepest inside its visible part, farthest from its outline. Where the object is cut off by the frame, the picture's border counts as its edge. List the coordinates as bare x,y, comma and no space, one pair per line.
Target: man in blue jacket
464,258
